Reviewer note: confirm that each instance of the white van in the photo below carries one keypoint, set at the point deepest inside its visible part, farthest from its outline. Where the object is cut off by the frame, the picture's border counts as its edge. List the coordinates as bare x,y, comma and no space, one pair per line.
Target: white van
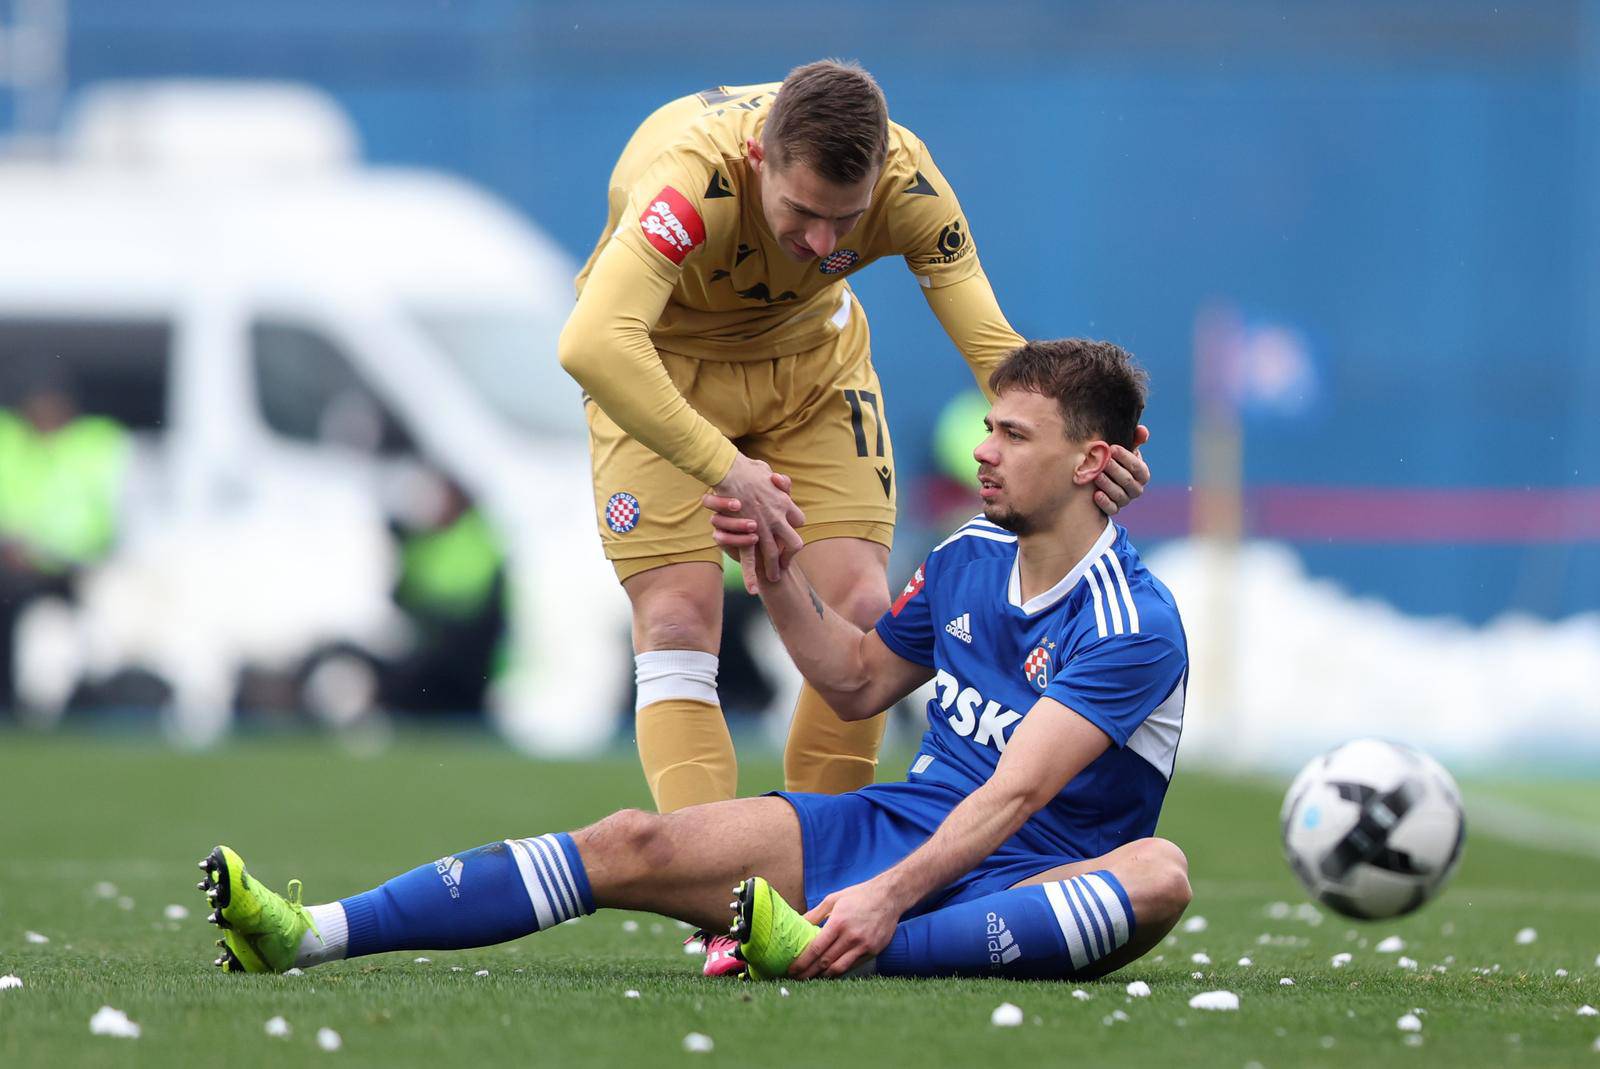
285,331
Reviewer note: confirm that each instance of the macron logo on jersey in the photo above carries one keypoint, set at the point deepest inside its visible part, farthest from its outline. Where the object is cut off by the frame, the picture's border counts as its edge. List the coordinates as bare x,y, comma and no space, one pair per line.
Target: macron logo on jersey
672,225
960,627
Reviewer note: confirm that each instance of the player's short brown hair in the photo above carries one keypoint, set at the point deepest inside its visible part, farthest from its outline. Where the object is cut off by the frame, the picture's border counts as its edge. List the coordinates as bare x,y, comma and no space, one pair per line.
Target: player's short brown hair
1100,389
831,116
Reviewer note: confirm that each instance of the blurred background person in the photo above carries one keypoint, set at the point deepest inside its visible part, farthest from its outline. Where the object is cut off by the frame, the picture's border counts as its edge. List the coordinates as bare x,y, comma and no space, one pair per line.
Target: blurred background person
449,644
452,589
61,481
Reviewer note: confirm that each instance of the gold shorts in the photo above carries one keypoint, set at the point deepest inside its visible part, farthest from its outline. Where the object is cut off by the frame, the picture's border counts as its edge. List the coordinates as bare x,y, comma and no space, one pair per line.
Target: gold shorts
816,417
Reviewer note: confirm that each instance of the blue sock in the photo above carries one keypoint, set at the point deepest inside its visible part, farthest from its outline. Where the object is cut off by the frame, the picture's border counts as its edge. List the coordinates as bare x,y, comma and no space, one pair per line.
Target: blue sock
487,895
1050,930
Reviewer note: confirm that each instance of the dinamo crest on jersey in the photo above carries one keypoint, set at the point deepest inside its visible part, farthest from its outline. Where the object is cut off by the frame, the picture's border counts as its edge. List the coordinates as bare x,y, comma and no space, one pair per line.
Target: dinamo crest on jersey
1037,666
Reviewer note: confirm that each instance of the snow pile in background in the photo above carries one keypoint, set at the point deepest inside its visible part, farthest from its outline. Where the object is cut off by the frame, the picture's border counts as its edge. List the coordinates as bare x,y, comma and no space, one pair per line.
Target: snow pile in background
108,1021
1309,666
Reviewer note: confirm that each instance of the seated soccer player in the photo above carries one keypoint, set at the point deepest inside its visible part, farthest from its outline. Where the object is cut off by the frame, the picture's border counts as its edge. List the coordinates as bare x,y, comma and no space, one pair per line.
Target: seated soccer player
1019,844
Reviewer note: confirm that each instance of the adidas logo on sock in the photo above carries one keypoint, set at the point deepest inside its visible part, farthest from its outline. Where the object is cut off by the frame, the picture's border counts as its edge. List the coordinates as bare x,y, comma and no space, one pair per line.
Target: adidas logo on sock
961,627
1003,948
449,869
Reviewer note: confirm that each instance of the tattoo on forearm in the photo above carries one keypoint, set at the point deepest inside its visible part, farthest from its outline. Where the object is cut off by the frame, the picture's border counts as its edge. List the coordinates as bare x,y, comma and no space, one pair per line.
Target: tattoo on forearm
816,602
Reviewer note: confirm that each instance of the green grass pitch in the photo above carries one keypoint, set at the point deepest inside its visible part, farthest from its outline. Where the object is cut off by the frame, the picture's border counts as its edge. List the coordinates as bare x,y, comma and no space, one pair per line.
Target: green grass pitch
78,814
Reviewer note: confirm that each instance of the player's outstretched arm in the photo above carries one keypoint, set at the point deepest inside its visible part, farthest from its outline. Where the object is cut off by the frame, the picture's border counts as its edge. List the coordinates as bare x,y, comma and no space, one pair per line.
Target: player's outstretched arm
972,318
856,674
606,346
1050,746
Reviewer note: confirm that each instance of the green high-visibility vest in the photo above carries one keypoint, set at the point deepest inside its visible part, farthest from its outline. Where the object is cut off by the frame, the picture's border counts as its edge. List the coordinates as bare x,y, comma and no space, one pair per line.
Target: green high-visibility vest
451,571
59,491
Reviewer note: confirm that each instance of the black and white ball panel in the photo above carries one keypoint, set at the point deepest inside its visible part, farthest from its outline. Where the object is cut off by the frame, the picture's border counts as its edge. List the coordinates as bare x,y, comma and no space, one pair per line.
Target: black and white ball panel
1373,829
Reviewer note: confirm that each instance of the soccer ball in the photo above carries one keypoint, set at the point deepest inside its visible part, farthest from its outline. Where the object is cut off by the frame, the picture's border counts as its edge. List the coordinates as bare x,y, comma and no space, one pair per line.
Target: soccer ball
1373,829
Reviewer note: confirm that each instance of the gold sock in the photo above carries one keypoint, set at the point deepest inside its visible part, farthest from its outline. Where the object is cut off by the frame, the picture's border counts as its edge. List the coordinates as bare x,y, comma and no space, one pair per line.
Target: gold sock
828,755
687,753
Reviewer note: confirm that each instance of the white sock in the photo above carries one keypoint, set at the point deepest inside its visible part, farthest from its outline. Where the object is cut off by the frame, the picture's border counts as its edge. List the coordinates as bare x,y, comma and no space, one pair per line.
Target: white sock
663,675
327,939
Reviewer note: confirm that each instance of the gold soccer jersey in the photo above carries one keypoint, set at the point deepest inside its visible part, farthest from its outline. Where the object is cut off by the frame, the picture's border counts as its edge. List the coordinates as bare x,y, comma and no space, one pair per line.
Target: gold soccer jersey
687,266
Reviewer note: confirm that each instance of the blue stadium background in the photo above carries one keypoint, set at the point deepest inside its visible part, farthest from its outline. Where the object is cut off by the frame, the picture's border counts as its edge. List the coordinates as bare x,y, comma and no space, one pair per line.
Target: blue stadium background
1416,186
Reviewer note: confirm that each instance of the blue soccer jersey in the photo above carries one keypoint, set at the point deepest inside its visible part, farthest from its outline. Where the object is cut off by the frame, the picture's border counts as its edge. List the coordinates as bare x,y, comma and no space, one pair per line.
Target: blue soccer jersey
1106,642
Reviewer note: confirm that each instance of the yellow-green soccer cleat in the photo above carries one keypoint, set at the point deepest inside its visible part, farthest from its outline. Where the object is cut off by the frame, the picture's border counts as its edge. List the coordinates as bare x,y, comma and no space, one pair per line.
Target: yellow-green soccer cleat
769,931
261,929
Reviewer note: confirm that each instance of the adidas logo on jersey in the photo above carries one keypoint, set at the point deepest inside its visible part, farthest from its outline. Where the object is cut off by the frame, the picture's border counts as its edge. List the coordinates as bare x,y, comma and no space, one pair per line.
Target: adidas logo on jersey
1003,948
961,627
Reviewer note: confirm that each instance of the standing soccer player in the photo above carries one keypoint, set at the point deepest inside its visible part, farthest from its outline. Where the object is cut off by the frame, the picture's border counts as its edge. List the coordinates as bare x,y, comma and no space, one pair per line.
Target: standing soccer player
717,341
1020,843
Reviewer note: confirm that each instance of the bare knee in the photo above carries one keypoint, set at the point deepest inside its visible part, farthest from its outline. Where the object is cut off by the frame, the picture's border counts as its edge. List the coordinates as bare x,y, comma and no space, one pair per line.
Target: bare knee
1164,878
677,620
675,632
628,843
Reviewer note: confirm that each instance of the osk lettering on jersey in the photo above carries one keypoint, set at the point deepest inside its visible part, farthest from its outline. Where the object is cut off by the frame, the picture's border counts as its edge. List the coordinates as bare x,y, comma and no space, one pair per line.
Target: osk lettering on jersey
984,722
671,224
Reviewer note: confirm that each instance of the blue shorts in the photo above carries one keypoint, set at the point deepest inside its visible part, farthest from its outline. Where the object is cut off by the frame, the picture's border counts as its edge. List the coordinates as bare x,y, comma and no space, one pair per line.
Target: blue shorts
849,838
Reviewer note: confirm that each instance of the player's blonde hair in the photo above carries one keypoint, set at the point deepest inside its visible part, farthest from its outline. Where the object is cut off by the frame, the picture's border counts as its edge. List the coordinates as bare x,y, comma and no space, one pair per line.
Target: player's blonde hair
1100,389
831,116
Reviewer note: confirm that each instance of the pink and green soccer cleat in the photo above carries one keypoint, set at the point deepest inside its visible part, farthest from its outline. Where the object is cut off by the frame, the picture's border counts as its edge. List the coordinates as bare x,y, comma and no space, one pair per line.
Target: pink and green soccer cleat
722,954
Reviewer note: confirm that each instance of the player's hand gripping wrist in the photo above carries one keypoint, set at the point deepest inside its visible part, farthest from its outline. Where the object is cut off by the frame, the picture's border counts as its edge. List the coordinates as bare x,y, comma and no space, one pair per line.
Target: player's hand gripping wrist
754,511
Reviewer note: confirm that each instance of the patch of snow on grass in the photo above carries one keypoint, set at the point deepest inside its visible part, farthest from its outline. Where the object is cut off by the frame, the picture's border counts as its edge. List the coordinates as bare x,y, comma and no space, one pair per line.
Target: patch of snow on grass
1215,1000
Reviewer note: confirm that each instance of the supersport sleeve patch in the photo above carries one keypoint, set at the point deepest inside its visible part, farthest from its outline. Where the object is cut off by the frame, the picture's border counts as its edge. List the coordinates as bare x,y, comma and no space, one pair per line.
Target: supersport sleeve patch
670,223
907,628
912,589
